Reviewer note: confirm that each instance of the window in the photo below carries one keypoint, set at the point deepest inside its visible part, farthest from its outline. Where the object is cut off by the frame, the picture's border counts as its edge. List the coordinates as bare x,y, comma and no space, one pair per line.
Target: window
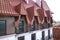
49,34
45,19
21,38
34,26
49,25
33,36
36,23
43,35
45,24
2,27
23,24
51,20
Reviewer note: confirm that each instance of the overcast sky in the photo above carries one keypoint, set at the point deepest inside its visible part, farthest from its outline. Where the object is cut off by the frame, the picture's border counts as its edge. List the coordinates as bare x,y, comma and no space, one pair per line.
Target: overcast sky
54,5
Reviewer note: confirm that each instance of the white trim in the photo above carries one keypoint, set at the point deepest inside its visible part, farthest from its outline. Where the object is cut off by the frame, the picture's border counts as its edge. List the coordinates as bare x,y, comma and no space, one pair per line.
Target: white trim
7,36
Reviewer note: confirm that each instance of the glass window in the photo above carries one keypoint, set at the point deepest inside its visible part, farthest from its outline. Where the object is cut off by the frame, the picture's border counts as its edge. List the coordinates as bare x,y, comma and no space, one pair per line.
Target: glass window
21,38
49,34
33,36
2,27
34,26
43,35
45,19
21,26
51,20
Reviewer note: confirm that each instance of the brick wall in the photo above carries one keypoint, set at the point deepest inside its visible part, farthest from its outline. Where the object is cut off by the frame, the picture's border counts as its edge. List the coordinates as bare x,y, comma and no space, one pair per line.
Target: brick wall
56,33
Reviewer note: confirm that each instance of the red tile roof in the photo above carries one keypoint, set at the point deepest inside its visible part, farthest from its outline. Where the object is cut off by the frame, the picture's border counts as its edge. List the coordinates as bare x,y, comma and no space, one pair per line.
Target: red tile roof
6,9
41,14
14,2
21,9
30,12
44,5
18,8
48,14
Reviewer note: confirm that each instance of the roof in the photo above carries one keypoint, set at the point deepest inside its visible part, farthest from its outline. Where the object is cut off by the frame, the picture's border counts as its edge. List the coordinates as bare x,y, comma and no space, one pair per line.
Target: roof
7,9
44,5
20,8
41,14
14,2
48,14
30,12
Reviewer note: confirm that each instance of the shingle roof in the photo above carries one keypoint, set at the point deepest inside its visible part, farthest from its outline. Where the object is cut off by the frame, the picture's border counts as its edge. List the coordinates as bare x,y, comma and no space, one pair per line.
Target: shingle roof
6,9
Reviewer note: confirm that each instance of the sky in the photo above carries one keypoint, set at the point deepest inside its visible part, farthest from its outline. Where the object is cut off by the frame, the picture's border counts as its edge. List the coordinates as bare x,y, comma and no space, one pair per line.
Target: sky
54,6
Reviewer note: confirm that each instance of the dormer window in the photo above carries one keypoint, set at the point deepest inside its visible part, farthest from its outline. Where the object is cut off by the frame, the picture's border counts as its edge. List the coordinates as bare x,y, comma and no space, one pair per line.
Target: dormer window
35,24
22,24
45,19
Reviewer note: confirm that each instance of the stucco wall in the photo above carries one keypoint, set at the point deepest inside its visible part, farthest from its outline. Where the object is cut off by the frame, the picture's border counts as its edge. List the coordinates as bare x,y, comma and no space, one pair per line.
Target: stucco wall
9,24
56,33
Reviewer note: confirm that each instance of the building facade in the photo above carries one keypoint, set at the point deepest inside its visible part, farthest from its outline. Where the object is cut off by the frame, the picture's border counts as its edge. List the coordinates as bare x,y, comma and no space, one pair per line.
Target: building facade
25,20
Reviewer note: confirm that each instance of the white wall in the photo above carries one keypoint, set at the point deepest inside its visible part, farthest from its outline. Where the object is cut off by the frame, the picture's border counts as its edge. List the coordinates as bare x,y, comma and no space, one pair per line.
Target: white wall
8,37
28,36
38,34
51,31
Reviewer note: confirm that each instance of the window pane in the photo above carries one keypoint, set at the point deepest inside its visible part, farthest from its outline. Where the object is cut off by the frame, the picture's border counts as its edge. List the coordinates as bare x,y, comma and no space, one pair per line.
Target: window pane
2,27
